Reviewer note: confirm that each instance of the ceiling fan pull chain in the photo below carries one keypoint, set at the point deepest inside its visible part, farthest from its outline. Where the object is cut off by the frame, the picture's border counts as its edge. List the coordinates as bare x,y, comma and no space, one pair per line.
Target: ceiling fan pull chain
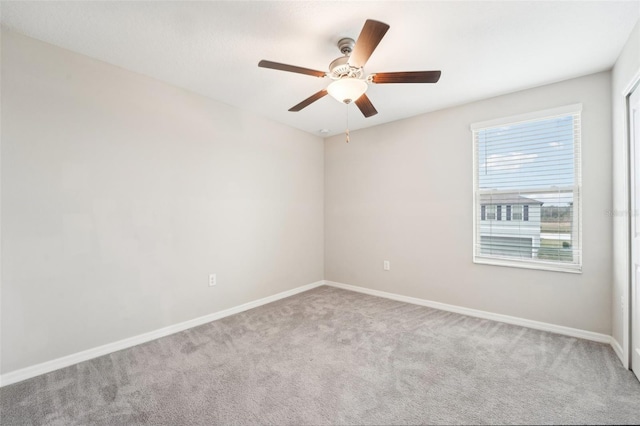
347,132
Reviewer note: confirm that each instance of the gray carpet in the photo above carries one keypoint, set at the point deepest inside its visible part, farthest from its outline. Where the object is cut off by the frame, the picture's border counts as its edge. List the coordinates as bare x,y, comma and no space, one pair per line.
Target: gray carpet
331,356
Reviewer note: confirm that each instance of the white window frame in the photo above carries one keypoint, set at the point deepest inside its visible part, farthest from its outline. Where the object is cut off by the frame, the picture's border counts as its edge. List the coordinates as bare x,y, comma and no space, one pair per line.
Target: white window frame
478,258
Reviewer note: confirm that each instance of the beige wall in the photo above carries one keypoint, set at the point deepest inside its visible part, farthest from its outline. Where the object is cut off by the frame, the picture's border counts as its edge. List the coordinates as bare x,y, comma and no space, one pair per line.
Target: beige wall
120,194
625,72
403,192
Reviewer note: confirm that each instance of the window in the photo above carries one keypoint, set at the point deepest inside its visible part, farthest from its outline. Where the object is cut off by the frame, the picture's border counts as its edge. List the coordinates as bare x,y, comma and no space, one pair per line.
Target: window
527,183
491,212
517,212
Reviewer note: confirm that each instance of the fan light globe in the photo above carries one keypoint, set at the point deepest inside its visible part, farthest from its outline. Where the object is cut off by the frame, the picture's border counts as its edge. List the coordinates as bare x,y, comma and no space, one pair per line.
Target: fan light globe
347,90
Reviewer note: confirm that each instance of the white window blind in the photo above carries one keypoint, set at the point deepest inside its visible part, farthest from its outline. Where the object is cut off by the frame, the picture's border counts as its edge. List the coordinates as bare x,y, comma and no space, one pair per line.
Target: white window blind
527,183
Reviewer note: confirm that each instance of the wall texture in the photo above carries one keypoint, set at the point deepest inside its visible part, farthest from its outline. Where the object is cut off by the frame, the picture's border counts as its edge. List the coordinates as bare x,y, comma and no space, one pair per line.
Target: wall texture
403,192
120,194
625,71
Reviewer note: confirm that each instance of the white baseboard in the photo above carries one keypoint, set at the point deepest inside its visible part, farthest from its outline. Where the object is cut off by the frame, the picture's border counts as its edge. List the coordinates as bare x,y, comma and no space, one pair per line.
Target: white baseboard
65,361
618,350
56,364
537,325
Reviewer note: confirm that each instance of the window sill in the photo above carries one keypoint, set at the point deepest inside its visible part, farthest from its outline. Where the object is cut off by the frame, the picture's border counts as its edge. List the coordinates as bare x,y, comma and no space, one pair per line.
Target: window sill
539,265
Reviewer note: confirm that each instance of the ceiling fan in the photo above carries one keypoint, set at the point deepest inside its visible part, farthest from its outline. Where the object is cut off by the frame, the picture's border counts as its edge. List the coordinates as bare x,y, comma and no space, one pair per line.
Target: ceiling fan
347,71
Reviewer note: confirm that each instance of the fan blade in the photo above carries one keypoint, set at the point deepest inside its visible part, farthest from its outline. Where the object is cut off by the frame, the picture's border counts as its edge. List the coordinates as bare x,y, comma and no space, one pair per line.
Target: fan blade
290,68
365,106
311,99
368,40
406,77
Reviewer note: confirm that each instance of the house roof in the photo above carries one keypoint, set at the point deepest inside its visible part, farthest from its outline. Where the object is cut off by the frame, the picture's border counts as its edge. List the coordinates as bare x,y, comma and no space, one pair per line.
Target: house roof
507,199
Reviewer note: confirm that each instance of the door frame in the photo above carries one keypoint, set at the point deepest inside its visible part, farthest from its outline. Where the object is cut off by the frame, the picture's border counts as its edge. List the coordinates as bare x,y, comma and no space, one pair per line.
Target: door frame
633,85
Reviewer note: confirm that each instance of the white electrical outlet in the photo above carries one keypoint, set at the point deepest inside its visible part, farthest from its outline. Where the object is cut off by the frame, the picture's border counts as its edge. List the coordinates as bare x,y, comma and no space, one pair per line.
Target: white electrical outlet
387,265
212,280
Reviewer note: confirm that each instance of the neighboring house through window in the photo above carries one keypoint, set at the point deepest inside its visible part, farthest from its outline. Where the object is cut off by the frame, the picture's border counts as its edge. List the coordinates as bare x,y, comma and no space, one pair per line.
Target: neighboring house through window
510,237
527,186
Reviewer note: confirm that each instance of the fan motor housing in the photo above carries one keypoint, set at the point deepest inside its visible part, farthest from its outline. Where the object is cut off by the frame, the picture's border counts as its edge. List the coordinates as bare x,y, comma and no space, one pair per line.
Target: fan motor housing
340,68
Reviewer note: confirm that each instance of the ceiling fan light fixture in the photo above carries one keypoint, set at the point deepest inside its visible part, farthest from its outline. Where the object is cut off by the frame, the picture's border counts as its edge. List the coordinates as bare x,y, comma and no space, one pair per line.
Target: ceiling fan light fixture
347,90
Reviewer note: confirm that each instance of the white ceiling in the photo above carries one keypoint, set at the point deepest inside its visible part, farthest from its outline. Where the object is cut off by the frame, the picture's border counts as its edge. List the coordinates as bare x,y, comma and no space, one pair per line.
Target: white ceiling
483,48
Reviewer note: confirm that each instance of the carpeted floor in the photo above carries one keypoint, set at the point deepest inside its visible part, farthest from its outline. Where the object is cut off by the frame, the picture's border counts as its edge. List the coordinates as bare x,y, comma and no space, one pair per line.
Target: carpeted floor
330,356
